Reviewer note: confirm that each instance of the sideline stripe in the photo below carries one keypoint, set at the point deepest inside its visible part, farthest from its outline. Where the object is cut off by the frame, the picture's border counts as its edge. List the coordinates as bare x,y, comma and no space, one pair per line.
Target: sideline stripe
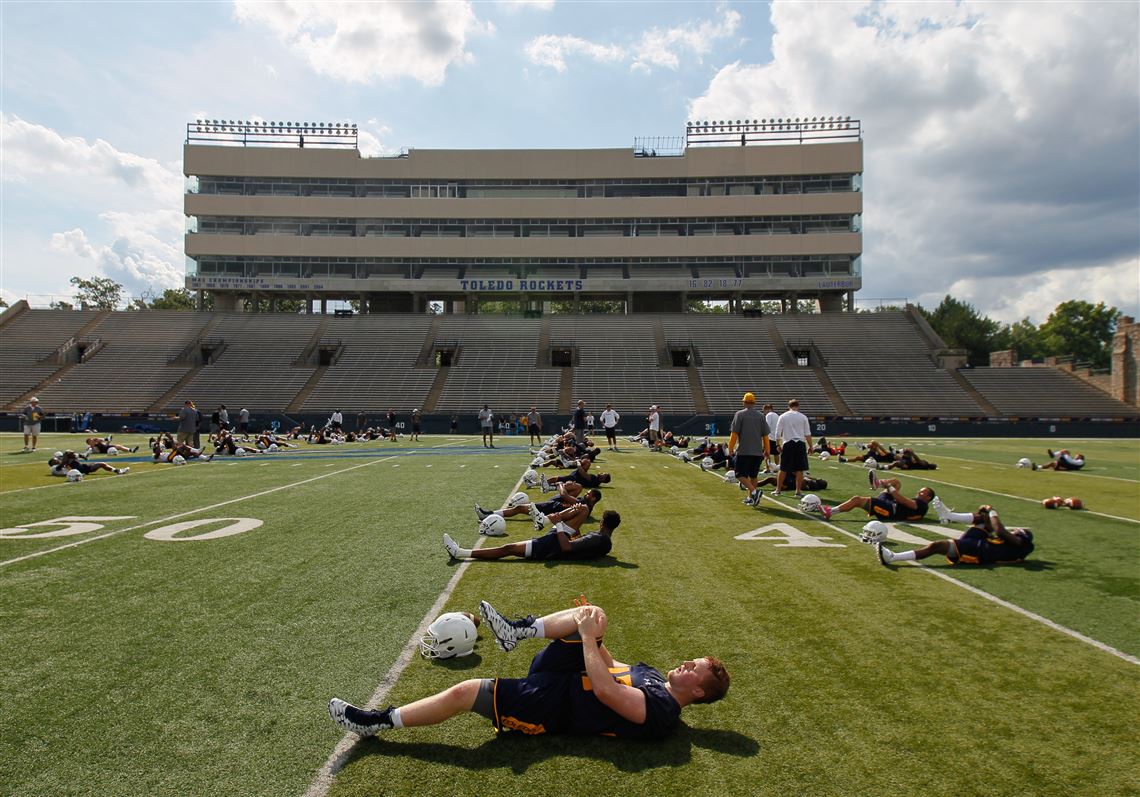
323,780
912,475
1045,621
1083,472
189,512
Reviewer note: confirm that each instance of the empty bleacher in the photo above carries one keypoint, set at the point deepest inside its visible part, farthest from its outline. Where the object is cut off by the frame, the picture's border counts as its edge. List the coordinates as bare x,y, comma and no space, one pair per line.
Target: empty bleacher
618,364
879,364
30,337
376,368
256,369
1037,392
496,366
131,371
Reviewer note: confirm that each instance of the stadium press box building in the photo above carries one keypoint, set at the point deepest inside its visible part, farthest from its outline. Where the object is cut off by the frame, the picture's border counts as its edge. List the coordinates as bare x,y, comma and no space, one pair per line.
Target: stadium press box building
732,211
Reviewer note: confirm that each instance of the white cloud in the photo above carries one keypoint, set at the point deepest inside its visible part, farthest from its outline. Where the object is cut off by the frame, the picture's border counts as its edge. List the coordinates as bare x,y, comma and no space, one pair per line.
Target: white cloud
663,48
654,48
33,152
137,240
366,42
538,5
550,50
1002,140
370,137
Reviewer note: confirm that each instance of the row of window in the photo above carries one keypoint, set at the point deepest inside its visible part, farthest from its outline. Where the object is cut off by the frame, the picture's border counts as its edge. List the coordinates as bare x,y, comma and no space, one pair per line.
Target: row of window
525,189
306,268
522,228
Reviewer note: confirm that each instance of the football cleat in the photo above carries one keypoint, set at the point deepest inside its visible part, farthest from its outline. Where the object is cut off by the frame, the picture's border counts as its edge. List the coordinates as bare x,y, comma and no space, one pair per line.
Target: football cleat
873,480
482,513
885,556
507,632
360,721
540,521
544,484
121,471
942,510
451,546
133,450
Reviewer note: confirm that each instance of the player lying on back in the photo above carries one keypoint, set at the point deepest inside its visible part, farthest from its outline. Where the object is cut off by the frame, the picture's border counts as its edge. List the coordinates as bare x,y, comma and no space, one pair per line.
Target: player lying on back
581,475
101,445
574,686
887,505
569,494
564,541
1062,460
985,543
906,459
64,462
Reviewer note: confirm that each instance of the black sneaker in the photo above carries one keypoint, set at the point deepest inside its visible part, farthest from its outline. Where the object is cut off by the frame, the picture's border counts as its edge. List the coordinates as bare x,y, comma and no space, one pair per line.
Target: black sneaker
133,450
1049,451
507,632
873,479
482,513
358,720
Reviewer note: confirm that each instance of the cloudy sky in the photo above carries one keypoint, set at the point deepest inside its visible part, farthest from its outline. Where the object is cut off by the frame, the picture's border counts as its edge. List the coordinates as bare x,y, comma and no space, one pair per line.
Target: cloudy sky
1002,140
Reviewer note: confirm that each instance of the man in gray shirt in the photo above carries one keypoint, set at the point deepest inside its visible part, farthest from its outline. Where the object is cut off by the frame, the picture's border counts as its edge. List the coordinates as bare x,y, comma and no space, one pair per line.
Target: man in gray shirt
487,426
749,443
32,416
534,425
187,422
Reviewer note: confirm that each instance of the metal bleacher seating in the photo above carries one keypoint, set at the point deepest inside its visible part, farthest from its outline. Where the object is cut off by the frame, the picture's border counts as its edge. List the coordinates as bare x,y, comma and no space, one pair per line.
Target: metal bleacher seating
131,371
256,369
1035,392
27,339
737,355
880,365
495,366
618,364
376,368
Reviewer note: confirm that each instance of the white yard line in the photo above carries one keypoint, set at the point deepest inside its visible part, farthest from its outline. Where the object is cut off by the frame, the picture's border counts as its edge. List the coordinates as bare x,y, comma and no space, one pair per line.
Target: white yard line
1068,472
912,475
323,780
190,512
979,592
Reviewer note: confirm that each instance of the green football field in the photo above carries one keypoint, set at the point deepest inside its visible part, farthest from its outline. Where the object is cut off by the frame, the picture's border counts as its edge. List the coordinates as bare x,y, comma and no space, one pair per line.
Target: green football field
179,630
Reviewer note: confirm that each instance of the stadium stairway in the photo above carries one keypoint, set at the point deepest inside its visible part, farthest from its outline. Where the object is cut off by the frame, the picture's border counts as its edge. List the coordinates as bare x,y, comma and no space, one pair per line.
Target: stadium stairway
566,391
168,397
983,402
306,389
436,389
700,400
60,372
830,390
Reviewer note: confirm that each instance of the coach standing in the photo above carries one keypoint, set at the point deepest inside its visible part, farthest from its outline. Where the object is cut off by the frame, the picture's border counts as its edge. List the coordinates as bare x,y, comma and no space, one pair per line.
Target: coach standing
187,422
794,433
32,416
578,423
534,425
748,441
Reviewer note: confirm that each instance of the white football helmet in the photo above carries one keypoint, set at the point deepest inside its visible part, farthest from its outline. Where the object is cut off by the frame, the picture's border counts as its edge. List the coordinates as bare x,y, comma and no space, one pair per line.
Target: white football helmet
112,452
644,443
272,446
179,459
686,456
1024,462
875,531
240,452
673,450
730,477
493,526
824,456
871,463
74,475
534,463
518,499
530,477
707,463
811,503
452,634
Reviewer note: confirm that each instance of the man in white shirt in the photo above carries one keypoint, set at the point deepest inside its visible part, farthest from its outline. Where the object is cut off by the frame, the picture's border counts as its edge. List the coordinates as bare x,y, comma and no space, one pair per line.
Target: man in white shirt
773,458
610,420
487,426
794,433
654,426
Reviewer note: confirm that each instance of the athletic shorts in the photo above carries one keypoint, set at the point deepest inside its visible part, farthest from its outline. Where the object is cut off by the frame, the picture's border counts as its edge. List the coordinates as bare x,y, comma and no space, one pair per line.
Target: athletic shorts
32,429
611,432
881,507
748,467
793,456
545,547
540,702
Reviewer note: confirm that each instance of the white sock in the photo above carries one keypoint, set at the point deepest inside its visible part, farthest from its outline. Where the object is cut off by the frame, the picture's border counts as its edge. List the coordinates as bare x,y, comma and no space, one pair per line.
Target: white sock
499,512
904,556
960,517
539,628
526,549
397,722
464,553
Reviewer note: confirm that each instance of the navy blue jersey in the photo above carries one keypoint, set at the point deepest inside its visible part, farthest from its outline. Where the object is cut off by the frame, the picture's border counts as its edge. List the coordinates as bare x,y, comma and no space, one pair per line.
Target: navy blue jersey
557,697
884,507
976,547
590,546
